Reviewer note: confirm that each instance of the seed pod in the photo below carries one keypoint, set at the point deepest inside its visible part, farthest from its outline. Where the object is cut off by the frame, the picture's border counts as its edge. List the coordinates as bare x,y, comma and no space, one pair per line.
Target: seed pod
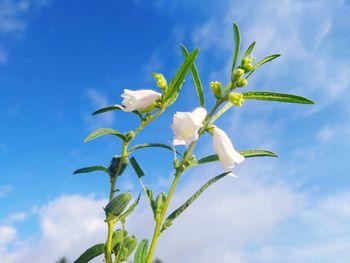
113,167
118,236
129,245
160,200
117,205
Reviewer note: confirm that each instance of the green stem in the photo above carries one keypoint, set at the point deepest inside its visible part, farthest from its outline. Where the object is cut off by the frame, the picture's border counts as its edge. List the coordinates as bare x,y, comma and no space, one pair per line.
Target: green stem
178,174
113,180
108,249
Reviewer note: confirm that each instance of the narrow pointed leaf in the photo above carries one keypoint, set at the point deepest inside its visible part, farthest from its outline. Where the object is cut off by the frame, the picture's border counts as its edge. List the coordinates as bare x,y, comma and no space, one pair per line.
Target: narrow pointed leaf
91,253
263,61
245,153
226,107
178,79
195,76
182,208
266,59
141,252
109,108
131,208
104,131
272,96
136,167
147,145
237,47
91,169
249,49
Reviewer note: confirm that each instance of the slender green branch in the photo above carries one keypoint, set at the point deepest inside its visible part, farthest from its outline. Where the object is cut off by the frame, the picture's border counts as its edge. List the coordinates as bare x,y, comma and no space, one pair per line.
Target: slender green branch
108,248
178,174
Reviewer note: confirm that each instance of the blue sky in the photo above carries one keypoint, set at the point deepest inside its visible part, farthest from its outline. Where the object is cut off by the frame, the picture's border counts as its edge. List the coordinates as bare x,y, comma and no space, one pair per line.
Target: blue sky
61,61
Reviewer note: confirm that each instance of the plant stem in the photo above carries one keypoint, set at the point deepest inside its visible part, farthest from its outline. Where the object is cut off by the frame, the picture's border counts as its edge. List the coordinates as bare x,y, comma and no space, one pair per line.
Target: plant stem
108,249
178,174
113,180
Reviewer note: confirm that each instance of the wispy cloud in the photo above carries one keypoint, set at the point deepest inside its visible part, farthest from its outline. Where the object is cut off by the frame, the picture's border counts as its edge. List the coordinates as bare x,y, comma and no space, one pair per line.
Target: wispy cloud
98,100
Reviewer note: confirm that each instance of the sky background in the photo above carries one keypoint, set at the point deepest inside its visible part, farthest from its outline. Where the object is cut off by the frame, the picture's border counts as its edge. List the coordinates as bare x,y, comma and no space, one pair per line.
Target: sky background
61,60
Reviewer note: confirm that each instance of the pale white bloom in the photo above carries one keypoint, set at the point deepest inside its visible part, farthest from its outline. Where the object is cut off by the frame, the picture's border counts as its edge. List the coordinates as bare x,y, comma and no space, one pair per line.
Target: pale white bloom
228,156
139,99
186,125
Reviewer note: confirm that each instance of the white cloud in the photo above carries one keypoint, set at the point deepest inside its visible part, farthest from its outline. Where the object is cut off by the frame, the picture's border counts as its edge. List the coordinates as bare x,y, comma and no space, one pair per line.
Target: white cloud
7,235
14,14
326,134
98,101
15,217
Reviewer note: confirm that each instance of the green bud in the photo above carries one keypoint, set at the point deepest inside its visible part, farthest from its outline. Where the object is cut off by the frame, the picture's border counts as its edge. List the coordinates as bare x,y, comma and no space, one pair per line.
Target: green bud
239,73
161,81
216,88
248,66
236,98
160,200
130,135
242,82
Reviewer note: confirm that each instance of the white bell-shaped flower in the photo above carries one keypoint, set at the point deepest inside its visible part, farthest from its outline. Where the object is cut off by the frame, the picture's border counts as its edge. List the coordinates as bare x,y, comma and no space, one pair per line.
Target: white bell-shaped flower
228,156
186,125
139,99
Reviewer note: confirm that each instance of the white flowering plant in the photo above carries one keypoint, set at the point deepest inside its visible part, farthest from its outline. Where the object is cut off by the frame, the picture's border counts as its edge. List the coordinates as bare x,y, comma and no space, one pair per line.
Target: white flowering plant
188,127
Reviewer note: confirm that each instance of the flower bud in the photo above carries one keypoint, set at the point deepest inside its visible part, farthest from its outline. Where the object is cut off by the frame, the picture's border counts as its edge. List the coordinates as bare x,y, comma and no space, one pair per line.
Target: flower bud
160,201
216,88
130,135
242,82
236,98
113,167
161,81
239,73
248,66
117,205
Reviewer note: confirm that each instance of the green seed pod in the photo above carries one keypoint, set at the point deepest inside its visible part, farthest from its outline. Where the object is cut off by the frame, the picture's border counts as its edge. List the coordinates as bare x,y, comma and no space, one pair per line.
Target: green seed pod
117,205
118,236
129,245
113,167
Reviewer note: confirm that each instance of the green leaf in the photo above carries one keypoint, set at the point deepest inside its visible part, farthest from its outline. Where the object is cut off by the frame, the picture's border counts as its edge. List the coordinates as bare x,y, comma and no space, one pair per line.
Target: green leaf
272,96
147,145
109,108
136,167
226,107
245,153
257,153
91,253
141,252
104,131
177,81
91,169
237,47
131,208
263,61
266,59
195,77
177,212
249,49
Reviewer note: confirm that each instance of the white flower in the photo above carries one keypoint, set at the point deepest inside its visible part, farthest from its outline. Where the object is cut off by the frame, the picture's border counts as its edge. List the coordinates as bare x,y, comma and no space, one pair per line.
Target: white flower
139,99
228,156
186,125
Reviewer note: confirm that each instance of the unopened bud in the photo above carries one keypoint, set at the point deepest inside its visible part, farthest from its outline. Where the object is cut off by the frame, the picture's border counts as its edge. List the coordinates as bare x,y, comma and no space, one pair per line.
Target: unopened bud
216,88
239,73
161,81
236,98
242,82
